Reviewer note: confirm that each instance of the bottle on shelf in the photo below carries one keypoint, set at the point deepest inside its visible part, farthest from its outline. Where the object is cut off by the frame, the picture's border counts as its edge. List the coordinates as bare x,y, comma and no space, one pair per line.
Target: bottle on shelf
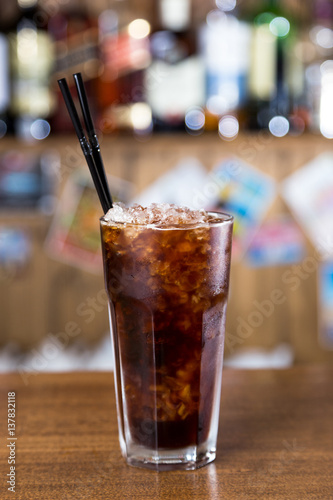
175,81
319,70
4,85
31,54
269,92
125,55
298,115
224,44
75,34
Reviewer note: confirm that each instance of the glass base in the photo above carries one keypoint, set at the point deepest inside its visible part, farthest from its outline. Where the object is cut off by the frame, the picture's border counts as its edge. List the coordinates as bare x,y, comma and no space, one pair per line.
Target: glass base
164,460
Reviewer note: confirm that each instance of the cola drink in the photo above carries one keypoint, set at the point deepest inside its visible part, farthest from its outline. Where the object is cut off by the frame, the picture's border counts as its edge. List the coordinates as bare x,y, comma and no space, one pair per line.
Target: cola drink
168,285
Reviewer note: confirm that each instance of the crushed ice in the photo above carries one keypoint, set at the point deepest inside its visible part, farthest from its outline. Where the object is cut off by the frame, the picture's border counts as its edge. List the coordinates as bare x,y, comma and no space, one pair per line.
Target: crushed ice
161,214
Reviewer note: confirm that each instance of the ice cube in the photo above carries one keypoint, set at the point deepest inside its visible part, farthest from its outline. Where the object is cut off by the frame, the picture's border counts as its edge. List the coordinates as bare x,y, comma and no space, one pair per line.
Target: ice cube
156,214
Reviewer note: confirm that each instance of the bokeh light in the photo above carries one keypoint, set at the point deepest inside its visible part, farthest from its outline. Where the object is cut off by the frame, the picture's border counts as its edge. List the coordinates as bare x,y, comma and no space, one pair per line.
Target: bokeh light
279,26
139,28
141,118
279,126
324,38
326,101
24,4
40,129
195,120
215,16
226,5
228,127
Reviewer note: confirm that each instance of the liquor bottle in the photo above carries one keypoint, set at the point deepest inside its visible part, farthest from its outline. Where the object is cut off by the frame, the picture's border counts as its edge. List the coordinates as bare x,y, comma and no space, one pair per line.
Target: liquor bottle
225,46
175,81
268,87
4,85
125,54
319,70
31,64
299,116
75,35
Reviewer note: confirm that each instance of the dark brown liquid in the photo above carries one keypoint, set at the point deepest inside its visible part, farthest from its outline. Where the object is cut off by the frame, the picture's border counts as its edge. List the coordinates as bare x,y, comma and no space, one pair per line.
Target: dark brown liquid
168,291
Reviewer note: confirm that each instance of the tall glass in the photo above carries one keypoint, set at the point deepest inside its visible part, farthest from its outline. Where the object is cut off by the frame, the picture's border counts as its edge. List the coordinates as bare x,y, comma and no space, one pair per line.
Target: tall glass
168,289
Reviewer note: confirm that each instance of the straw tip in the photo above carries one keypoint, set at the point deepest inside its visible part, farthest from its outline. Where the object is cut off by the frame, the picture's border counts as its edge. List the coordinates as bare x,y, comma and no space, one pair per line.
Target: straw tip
77,76
62,81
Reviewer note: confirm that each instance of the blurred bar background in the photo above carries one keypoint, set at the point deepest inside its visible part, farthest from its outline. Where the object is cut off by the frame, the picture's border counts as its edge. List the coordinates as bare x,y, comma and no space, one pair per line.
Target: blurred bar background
222,105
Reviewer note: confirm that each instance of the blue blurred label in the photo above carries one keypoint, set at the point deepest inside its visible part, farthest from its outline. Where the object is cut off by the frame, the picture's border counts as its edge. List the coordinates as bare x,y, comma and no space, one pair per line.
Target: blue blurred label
15,247
277,242
246,193
326,305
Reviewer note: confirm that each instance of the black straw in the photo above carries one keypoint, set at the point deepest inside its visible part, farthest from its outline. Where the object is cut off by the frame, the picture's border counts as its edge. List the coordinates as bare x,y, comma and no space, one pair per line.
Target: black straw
92,136
85,146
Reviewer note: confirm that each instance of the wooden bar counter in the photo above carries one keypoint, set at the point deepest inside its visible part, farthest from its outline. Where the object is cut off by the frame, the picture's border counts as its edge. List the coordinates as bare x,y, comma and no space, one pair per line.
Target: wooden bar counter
275,440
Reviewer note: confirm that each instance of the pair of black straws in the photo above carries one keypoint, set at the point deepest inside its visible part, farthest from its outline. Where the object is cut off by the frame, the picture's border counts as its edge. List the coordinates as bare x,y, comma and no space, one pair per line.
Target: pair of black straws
90,147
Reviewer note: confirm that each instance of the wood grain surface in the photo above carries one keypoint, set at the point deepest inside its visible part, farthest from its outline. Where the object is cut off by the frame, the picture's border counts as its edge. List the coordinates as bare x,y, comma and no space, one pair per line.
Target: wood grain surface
275,440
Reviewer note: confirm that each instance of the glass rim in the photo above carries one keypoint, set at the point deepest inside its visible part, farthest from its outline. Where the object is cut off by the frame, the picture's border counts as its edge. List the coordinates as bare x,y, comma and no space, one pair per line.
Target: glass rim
227,219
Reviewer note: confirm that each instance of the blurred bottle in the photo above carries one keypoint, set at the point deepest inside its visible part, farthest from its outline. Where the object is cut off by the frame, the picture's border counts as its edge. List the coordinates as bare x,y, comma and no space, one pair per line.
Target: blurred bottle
225,46
108,82
269,91
295,54
298,114
4,85
175,81
75,35
319,71
31,63
125,54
